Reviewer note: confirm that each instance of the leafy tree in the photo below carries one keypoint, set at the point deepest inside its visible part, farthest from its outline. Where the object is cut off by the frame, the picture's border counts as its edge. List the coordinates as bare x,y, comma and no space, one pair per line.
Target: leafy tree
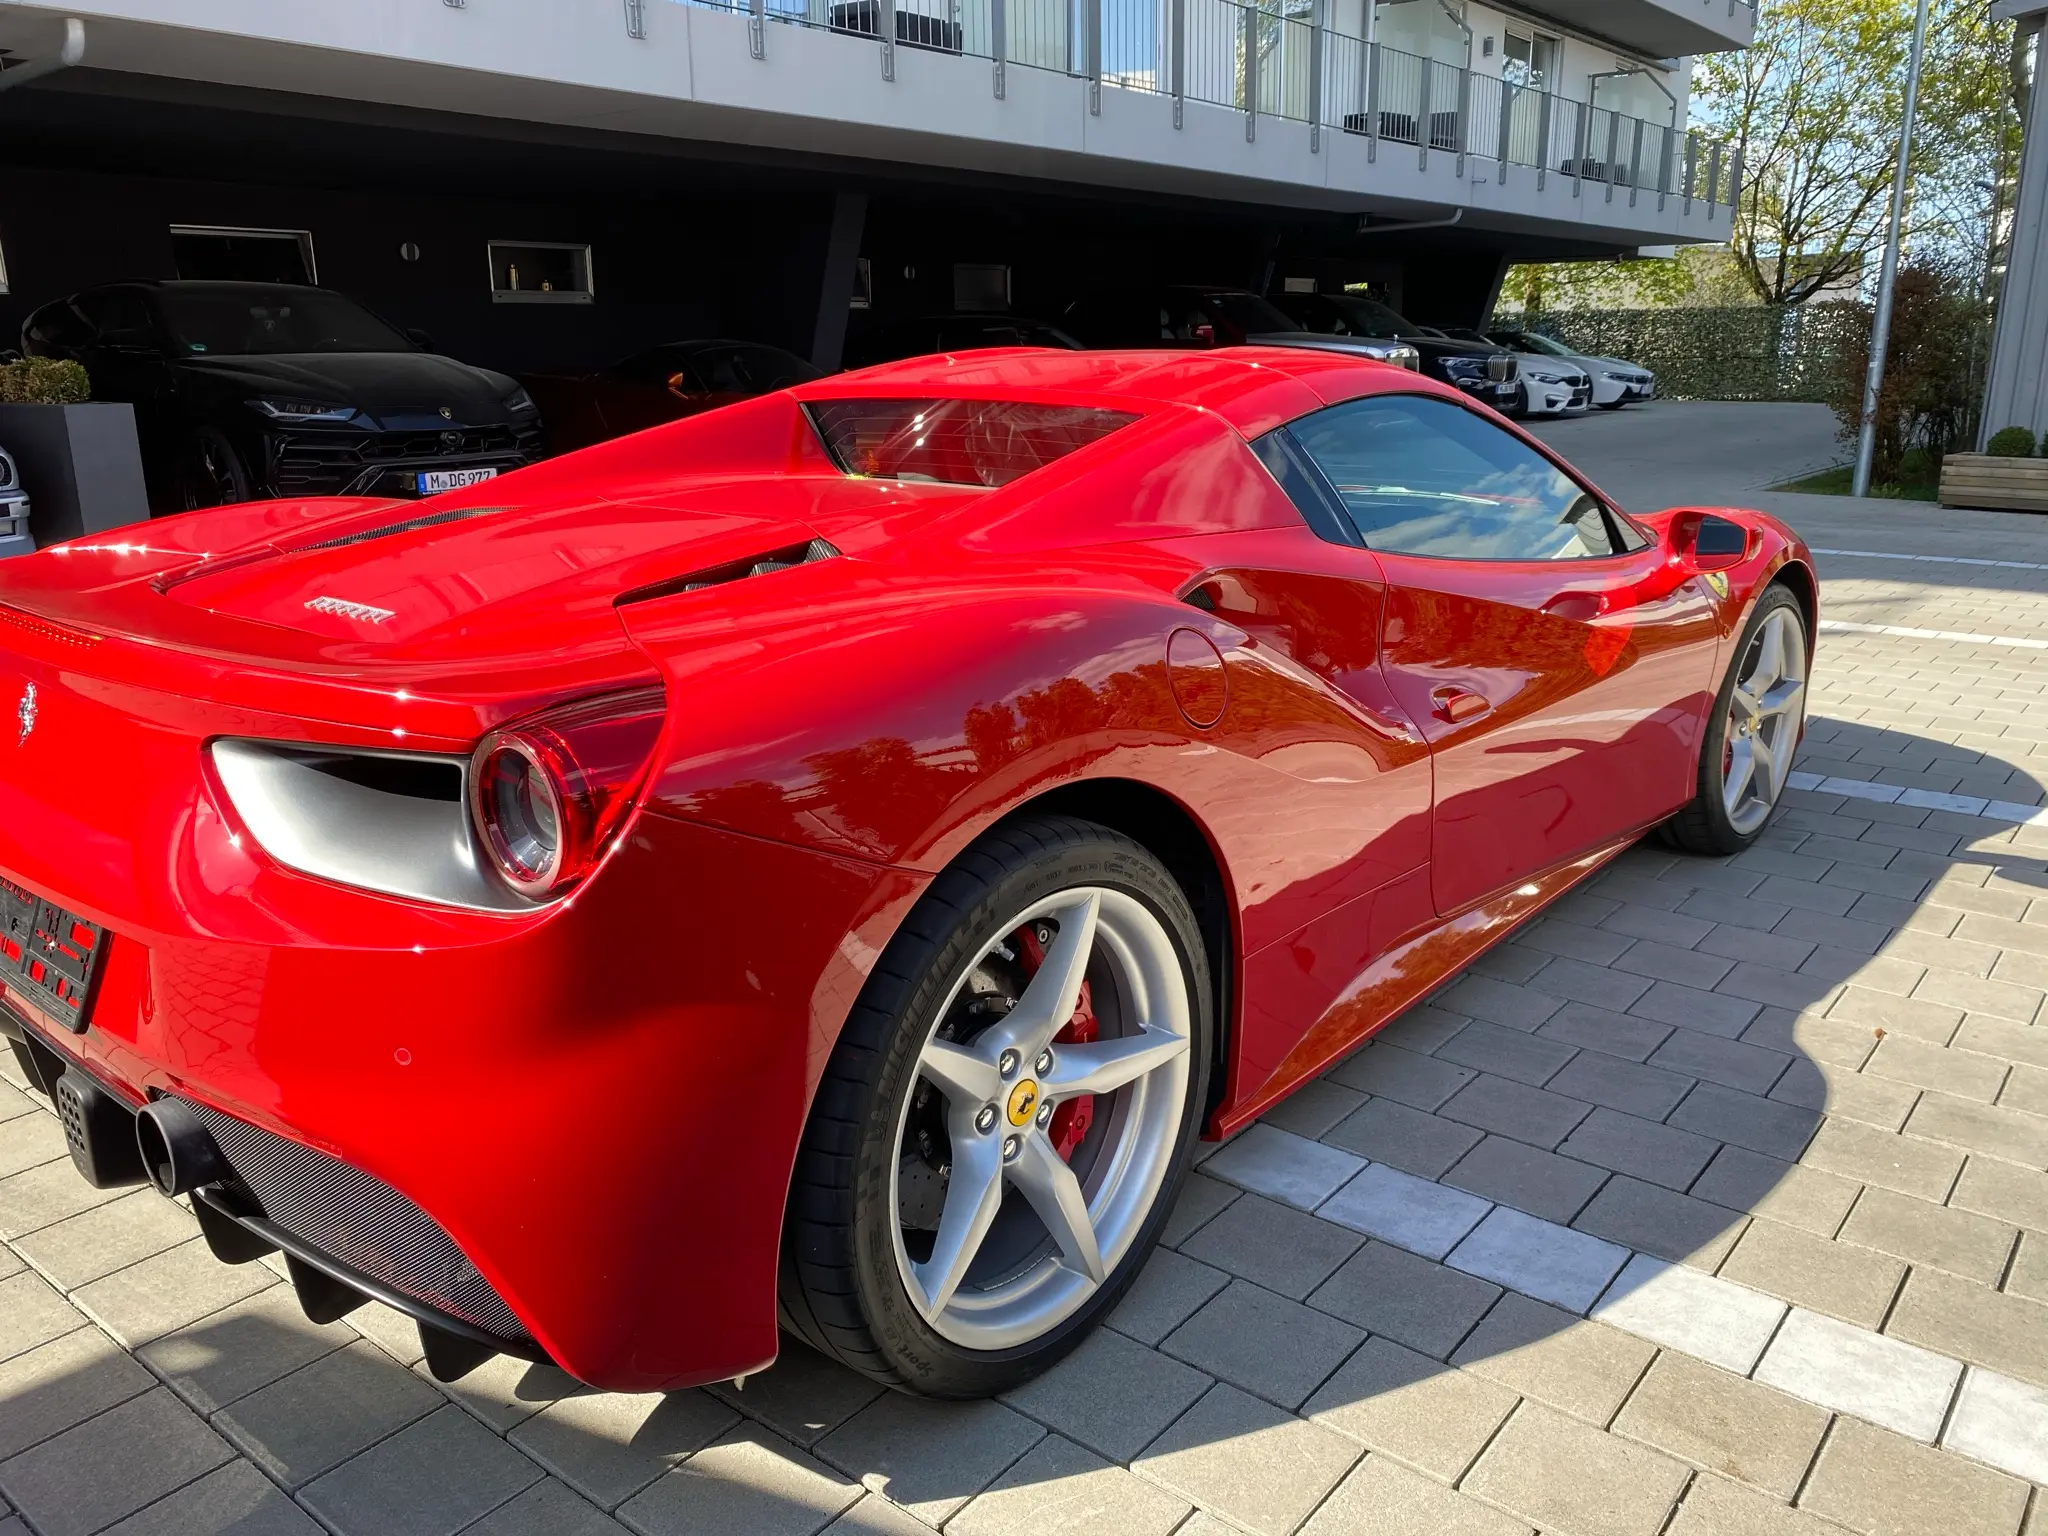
1929,391
1816,106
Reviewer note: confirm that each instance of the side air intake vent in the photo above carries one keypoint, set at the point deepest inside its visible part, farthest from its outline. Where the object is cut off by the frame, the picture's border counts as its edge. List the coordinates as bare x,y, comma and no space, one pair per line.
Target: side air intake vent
735,570
387,530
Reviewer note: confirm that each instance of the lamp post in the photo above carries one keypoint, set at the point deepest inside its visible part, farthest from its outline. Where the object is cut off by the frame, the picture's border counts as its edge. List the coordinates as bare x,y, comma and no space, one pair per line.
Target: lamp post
1881,324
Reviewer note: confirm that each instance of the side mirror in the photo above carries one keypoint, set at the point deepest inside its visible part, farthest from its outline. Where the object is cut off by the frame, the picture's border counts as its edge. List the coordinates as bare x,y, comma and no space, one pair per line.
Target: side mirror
1706,542
1205,334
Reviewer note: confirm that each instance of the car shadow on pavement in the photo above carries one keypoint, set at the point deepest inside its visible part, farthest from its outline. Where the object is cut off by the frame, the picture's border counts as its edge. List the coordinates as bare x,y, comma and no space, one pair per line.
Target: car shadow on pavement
1525,1204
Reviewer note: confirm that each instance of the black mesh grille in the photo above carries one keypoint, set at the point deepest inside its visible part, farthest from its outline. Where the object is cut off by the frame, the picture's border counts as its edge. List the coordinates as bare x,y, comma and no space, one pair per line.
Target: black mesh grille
359,1220
410,524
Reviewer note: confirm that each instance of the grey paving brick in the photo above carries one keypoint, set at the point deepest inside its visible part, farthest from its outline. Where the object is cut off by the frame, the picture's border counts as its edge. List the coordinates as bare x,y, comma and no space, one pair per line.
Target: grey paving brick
1657,925
1733,911
1780,952
1586,1369
1646,1091
29,1141
50,1192
1257,1465
1722,1423
322,1414
2012,1134
1408,1299
2002,1039
157,1444
1805,894
2026,1088
1886,1485
1666,1154
1273,1245
174,1288
610,1445
1512,1053
1510,962
1975,1247
1380,1498
1534,1115
1925,1065
1410,1407
1717,1013
548,1508
1060,1489
1313,1108
109,1237
1166,1295
1527,1178
1562,1475
1578,982
1854,932
1388,1072
1778,989
1498,1002
32,1313
1111,1395
229,1354
1837,1279
1731,1063
47,1390
1200,1199
1409,1139
235,1499
1972,1322
1762,1125
1980,995
1652,1219
1266,1344
1667,962
1557,935
1716,1507
1601,1029
1284,1166
1425,1027
1852,1095
928,1457
431,1479
803,1396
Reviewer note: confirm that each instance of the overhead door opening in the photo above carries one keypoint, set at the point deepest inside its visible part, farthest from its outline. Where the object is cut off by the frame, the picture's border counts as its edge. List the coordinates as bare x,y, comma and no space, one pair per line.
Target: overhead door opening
244,255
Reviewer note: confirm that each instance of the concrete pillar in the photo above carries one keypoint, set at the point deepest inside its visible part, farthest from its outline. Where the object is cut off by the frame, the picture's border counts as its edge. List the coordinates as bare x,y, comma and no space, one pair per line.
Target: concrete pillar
835,288
2016,386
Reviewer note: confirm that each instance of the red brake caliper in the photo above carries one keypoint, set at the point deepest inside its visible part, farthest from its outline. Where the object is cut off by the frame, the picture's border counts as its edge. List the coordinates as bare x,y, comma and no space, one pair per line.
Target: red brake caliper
1070,1121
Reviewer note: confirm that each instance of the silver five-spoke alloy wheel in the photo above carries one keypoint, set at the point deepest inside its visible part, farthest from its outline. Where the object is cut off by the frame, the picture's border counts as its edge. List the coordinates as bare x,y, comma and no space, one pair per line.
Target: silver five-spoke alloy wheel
1765,712
1028,1226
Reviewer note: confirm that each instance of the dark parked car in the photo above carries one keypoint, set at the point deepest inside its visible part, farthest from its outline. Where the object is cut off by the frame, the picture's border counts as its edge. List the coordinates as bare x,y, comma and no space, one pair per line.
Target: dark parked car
1194,315
675,379
1479,368
953,333
249,390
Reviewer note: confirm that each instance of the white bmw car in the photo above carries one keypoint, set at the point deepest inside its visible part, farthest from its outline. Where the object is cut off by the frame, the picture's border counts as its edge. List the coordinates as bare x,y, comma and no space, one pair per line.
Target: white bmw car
1615,381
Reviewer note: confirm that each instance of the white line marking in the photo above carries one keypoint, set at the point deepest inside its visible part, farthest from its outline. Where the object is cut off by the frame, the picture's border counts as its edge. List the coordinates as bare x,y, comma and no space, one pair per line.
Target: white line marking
1907,632
1880,554
1922,799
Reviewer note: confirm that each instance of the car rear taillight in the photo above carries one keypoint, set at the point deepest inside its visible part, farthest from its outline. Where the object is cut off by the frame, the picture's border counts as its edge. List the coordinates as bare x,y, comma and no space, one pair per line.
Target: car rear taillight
548,793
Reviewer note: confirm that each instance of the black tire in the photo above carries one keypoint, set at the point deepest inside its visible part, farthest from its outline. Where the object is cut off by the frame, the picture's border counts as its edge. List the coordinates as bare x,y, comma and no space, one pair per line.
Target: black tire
1703,826
211,473
841,1290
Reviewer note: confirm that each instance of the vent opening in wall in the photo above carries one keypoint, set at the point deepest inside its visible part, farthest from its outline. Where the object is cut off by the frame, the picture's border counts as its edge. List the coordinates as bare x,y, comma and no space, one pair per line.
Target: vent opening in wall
540,272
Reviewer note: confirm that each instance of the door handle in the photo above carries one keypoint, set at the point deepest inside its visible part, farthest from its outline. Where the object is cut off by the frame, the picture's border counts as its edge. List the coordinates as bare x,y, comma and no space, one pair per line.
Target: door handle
1581,607
1454,705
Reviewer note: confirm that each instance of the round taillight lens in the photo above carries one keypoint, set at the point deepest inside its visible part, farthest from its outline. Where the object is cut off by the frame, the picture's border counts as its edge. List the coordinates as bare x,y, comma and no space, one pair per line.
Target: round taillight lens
520,799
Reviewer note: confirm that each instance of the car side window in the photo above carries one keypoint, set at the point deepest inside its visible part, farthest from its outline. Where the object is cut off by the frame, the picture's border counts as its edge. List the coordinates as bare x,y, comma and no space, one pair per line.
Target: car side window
118,319
1422,476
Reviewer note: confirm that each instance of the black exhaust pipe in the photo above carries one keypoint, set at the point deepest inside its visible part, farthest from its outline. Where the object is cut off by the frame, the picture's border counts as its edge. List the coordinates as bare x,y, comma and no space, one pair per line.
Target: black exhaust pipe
178,1151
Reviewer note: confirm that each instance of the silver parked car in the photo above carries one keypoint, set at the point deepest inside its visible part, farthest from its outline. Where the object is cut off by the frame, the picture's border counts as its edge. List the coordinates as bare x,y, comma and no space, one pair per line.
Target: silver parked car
14,535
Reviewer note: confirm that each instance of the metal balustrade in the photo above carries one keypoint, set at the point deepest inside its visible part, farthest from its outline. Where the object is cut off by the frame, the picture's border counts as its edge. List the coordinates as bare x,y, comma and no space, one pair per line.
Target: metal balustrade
1281,62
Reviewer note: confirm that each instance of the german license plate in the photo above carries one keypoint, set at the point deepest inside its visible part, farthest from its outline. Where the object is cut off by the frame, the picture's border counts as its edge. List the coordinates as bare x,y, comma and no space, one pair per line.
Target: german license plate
435,481
50,957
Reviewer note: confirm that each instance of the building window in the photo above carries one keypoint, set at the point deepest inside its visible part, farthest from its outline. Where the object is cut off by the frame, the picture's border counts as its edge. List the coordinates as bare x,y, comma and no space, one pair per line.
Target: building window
244,255
539,272
3,269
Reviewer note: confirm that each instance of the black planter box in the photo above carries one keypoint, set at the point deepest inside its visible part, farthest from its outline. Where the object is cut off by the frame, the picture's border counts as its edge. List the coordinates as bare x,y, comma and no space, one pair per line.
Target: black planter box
81,466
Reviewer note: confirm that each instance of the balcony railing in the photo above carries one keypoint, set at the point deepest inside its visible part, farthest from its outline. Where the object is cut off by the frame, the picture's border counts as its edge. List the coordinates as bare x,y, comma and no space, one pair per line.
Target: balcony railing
1280,61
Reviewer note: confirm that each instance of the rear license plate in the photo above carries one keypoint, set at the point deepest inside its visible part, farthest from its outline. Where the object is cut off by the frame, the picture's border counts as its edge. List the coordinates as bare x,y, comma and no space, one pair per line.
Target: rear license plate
48,956
435,481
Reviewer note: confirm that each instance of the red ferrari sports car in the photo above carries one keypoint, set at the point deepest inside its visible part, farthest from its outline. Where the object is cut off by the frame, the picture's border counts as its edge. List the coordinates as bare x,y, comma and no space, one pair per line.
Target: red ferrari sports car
825,861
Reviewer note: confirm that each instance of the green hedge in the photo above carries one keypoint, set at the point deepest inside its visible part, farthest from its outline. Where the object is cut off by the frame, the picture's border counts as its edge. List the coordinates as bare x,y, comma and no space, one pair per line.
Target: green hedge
1752,353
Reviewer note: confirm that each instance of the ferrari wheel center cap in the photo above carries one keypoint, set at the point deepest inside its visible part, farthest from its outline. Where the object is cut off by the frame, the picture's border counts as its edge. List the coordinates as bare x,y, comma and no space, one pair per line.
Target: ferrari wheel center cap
1023,1102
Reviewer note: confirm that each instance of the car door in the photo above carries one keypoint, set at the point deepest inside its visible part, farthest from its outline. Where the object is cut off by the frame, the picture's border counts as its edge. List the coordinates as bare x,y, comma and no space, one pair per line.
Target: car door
124,355
1554,656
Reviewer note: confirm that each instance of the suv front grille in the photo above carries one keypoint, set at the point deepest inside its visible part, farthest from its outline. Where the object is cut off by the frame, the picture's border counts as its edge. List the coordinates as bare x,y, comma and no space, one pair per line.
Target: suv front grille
360,1220
310,462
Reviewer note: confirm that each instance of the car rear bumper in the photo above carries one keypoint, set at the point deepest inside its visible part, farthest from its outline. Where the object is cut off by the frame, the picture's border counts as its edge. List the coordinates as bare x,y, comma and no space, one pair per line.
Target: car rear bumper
569,1131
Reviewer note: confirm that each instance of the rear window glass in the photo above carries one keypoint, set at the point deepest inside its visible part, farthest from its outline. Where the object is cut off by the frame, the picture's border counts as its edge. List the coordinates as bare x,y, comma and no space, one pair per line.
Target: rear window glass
956,442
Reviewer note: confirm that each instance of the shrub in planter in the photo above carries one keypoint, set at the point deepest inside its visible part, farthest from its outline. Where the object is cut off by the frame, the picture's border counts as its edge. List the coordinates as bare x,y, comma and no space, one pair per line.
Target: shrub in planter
2011,443
43,381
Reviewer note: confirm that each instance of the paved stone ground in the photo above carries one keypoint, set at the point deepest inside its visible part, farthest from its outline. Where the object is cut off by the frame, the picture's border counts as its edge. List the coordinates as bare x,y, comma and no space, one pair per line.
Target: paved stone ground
1712,1205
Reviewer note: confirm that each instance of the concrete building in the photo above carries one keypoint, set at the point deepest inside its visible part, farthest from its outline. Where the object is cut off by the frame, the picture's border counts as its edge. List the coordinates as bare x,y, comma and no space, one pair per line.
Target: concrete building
775,168
2016,386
